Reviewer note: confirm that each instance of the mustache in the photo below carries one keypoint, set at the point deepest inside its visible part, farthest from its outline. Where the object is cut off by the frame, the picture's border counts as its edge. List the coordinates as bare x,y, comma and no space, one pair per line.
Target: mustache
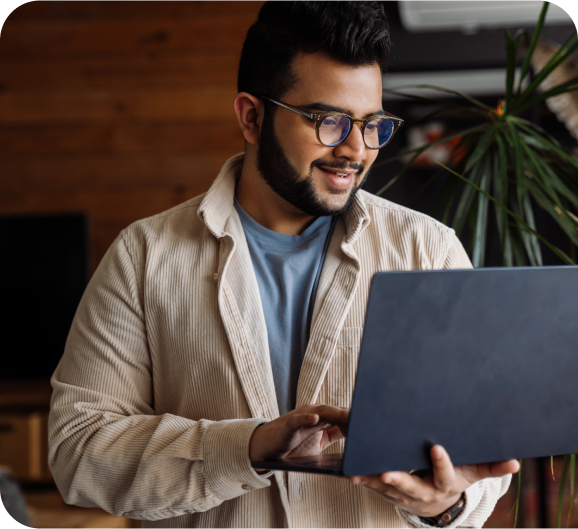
359,167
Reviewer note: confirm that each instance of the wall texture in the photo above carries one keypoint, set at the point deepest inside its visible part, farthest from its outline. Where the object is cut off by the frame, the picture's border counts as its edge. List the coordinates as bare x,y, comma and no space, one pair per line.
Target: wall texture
117,109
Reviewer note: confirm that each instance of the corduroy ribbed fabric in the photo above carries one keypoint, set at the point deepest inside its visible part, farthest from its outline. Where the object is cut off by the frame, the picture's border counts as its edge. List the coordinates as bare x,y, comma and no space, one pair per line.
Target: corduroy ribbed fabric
166,371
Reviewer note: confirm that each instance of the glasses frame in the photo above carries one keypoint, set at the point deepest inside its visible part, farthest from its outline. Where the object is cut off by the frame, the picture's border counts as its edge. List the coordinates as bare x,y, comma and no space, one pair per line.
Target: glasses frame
318,118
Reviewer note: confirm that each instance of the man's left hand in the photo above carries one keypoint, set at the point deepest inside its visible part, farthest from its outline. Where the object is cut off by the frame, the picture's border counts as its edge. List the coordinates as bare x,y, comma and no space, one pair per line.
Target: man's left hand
431,493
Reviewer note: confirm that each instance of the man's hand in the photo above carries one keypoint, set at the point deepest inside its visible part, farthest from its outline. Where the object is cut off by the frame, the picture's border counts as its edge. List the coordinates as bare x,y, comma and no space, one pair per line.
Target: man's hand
305,431
430,493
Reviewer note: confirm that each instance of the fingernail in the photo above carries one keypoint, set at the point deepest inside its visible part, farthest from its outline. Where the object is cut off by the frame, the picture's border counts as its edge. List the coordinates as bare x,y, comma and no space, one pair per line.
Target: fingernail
437,452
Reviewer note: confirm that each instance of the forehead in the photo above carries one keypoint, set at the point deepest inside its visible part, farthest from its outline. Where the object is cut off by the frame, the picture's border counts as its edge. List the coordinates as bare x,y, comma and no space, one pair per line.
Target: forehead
321,79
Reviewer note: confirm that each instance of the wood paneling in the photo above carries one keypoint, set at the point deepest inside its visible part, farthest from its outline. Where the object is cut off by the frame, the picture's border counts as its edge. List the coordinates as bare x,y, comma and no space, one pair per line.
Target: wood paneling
153,68
75,37
109,104
43,175
117,109
194,136
107,204
82,10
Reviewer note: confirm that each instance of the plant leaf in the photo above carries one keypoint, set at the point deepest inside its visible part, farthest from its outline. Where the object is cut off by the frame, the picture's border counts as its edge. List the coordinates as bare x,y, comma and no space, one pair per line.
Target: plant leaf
471,99
532,46
563,88
480,230
512,53
557,251
561,490
501,193
530,241
548,143
572,479
480,148
465,203
558,58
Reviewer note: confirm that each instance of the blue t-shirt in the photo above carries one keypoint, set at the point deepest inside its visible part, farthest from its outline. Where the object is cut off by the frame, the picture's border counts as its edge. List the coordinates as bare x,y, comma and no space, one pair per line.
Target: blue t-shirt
287,269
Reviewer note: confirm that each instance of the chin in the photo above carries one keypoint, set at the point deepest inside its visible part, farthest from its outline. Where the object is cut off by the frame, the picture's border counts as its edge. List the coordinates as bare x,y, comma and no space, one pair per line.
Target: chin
335,203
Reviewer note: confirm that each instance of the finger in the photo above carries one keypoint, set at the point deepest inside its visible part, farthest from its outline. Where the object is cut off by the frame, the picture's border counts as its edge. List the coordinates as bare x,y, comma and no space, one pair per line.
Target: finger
389,491
512,466
408,484
296,421
444,473
333,434
498,469
331,414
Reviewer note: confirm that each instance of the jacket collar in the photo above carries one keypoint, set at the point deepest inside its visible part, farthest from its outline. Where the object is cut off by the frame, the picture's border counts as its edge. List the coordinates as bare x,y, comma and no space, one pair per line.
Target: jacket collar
218,204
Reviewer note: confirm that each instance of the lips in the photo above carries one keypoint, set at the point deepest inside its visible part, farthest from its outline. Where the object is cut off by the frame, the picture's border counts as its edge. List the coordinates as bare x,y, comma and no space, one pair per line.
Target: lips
339,178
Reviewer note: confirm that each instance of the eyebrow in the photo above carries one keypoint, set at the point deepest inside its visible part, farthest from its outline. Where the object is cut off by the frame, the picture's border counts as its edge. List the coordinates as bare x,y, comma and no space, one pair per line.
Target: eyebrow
330,108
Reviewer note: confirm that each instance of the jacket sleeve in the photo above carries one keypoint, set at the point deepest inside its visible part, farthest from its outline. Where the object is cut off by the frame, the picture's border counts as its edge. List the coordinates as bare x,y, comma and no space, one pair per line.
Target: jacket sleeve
482,496
456,257
107,448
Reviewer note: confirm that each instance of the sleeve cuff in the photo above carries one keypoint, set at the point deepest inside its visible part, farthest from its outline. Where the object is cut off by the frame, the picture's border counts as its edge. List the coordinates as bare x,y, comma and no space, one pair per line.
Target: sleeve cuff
228,468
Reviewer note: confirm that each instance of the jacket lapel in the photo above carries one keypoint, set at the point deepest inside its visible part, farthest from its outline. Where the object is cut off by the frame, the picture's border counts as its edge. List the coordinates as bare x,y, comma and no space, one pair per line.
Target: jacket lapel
337,286
238,295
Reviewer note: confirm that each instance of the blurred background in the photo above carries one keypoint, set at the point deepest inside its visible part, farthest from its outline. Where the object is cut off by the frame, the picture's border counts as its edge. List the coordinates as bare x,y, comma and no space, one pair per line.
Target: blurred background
114,111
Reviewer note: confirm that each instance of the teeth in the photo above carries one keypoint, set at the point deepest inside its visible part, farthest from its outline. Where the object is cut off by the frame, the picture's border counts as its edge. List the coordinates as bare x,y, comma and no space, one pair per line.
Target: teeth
342,175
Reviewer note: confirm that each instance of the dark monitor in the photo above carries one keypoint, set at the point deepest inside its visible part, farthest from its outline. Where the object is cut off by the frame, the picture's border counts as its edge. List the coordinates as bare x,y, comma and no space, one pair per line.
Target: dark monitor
43,274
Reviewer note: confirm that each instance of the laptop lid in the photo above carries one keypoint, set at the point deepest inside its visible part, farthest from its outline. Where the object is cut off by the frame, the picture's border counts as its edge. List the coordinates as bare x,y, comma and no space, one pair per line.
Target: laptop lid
481,361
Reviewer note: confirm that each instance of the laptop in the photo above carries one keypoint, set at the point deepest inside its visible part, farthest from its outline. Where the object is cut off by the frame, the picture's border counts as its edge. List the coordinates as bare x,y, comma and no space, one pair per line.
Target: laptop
483,362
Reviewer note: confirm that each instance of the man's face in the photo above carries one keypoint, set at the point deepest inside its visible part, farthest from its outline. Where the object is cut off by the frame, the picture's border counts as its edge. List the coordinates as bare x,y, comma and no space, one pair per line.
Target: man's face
300,169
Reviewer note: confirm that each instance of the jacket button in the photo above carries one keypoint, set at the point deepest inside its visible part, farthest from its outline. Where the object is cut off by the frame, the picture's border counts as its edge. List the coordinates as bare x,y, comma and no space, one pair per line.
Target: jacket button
246,487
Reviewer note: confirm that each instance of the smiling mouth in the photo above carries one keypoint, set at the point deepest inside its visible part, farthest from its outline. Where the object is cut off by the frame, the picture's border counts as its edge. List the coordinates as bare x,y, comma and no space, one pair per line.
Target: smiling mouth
337,172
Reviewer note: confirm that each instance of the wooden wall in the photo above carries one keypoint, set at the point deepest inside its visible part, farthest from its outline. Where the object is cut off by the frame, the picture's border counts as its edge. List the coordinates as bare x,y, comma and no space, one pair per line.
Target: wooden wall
117,109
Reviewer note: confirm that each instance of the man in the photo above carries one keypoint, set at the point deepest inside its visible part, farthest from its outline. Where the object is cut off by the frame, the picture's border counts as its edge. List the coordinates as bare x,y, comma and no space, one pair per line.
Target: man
227,329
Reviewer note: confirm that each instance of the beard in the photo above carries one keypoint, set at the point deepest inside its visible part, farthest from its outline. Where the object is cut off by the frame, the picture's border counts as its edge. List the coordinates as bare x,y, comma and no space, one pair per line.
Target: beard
275,168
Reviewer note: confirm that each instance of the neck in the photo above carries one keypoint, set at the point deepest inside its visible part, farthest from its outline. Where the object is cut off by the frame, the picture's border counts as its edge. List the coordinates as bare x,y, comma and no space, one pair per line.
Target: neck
264,205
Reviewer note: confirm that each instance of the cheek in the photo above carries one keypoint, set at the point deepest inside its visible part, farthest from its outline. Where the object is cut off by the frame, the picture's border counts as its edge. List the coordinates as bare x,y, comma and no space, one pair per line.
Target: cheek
299,142
371,157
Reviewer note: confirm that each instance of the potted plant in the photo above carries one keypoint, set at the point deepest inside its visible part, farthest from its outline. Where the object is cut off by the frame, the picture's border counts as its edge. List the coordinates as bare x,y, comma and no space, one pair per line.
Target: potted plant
507,166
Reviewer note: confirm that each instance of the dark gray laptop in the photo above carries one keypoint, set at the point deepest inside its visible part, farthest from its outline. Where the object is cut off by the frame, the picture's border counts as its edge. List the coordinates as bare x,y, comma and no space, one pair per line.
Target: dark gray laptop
484,362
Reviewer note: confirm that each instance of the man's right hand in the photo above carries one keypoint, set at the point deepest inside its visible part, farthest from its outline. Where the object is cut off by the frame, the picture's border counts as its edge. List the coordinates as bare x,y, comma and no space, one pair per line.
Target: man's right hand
305,431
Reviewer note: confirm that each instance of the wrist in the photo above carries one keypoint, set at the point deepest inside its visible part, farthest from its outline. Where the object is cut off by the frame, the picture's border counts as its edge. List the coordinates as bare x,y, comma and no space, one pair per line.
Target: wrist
255,452
449,514
451,503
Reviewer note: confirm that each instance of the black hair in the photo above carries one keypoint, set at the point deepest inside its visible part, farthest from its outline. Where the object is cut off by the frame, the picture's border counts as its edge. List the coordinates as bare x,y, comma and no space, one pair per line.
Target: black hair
353,33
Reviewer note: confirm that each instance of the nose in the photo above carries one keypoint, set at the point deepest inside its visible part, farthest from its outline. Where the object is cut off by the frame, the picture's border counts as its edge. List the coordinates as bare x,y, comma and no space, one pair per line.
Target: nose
353,147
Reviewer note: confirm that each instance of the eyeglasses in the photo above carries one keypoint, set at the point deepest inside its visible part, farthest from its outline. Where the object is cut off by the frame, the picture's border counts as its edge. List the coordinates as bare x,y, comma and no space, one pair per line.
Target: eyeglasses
333,128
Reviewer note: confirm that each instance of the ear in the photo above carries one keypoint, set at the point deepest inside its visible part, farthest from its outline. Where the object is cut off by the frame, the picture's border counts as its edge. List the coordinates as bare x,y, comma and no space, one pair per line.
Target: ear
249,110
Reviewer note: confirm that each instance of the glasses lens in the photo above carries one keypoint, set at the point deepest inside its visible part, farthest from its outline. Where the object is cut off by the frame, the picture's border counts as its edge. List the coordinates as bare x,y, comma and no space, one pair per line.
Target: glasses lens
378,132
333,129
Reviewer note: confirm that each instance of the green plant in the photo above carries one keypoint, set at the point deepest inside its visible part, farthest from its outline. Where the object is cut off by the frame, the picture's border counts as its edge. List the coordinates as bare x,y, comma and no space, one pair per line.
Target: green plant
504,168
510,164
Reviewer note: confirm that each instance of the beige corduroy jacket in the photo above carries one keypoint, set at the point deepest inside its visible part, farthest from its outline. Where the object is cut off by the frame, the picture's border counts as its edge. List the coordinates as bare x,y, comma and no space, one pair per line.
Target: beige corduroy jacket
166,371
